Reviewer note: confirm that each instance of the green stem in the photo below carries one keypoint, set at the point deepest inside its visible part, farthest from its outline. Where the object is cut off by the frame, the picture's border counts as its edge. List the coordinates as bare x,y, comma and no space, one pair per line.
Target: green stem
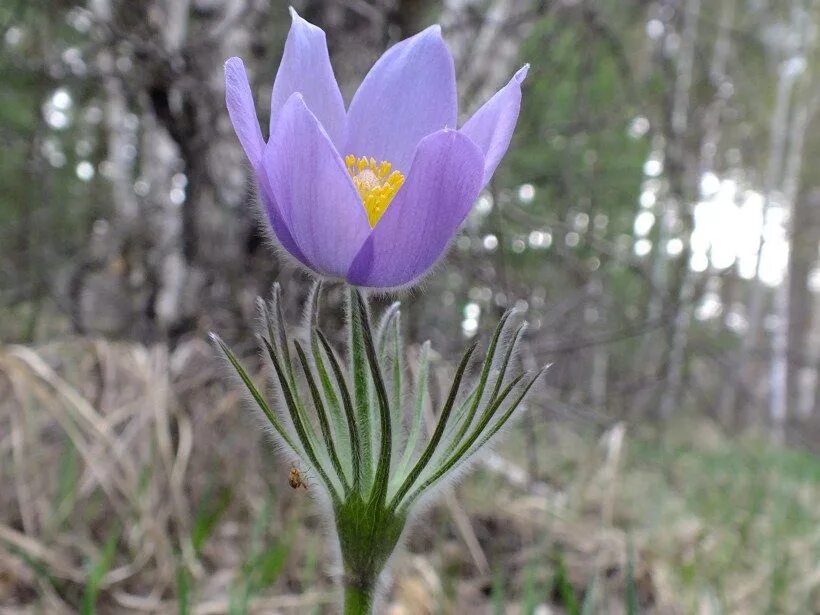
358,600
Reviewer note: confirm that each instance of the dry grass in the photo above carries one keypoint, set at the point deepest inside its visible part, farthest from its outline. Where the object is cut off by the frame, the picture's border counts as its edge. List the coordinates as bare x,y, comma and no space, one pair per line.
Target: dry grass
135,481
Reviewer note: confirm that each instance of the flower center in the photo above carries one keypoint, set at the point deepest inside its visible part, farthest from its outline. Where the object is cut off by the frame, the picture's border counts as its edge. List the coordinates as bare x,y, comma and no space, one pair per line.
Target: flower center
376,183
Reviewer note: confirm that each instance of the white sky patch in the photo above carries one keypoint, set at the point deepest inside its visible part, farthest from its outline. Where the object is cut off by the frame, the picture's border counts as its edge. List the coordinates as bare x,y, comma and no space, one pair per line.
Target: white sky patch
642,247
484,205
709,307
644,222
653,167
85,170
728,226
539,239
638,127
57,109
472,312
674,246
648,199
526,193
709,184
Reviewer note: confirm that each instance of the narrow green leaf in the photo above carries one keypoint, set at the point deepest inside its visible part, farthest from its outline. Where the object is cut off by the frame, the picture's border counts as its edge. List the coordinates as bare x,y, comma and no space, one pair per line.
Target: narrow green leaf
361,383
505,417
460,455
439,431
485,372
322,414
353,433
312,302
398,371
384,326
257,396
418,411
298,423
282,338
382,475
506,361
278,337
337,417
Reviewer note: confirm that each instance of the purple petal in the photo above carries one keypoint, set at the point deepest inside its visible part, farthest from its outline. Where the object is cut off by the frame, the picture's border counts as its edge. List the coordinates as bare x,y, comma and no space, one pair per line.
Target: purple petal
275,218
408,94
316,197
241,110
492,126
306,68
442,186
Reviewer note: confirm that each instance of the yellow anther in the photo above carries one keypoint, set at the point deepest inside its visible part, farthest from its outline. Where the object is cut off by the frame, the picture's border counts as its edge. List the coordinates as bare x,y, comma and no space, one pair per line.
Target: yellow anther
375,183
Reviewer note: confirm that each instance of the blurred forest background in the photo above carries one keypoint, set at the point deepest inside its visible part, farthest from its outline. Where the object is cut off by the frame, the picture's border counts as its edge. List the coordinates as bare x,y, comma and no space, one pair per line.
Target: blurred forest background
656,221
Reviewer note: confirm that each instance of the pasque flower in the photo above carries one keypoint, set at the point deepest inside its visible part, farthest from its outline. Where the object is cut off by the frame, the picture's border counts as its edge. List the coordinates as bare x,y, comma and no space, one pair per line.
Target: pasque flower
374,193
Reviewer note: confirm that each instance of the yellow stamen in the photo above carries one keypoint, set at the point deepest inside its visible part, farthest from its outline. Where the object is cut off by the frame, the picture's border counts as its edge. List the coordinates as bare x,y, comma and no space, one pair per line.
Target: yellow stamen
376,184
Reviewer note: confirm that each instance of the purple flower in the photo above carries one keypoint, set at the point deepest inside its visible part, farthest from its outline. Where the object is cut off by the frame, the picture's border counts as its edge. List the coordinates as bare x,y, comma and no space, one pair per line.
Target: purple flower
372,195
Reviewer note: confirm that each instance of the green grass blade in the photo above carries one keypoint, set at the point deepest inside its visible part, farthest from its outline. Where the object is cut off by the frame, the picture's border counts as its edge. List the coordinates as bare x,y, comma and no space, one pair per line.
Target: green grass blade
207,516
97,573
631,596
183,590
564,589
591,597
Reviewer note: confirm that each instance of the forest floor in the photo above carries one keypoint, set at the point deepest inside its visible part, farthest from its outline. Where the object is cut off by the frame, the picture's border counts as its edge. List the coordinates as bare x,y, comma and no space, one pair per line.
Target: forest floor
134,481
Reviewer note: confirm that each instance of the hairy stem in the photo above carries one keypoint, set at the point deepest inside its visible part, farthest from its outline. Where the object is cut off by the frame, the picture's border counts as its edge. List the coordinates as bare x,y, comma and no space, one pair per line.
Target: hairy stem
358,600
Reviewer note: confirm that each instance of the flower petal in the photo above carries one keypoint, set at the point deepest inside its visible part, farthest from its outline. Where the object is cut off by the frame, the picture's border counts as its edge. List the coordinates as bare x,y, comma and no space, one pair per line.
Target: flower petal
275,218
443,184
492,126
242,111
311,185
306,68
408,94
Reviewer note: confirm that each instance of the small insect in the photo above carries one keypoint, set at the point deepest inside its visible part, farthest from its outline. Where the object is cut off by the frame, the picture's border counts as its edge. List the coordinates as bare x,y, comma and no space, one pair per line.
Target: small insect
295,478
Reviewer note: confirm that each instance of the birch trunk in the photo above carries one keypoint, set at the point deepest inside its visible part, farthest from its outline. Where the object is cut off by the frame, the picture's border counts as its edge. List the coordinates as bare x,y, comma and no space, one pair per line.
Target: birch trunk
710,137
744,361
801,118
